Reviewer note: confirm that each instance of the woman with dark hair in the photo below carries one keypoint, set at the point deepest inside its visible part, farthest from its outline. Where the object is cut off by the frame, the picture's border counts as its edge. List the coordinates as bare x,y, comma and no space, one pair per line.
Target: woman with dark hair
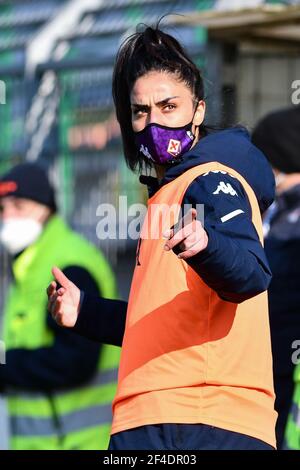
152,51
196,365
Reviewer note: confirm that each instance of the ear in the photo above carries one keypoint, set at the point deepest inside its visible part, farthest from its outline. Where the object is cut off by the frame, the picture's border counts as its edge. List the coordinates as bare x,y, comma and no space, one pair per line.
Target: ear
199,113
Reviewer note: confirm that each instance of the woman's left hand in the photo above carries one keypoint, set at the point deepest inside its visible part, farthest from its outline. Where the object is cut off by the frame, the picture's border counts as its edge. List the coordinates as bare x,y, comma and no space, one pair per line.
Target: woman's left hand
190,236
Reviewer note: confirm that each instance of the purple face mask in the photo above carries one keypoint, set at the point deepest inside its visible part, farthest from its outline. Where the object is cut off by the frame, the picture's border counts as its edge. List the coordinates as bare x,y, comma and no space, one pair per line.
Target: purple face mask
164,145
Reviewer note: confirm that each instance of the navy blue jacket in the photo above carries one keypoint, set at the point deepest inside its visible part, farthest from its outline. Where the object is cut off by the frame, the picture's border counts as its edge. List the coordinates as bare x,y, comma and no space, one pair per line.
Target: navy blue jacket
234,263
283,251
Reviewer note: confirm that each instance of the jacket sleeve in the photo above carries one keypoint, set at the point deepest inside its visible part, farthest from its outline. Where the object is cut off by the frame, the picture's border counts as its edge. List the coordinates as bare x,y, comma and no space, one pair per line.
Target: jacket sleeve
71,361
101,320
234,263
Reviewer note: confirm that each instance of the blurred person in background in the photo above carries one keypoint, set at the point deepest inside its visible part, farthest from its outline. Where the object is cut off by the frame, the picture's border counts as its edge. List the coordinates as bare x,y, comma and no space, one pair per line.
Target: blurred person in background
196,365
59,385
278,136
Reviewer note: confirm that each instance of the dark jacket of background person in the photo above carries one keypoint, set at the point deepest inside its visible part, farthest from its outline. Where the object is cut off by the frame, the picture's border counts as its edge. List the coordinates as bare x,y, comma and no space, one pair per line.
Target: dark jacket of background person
278,136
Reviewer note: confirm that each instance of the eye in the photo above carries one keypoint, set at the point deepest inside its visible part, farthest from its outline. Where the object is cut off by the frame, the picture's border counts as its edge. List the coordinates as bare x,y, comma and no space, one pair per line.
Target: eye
139,111
169,107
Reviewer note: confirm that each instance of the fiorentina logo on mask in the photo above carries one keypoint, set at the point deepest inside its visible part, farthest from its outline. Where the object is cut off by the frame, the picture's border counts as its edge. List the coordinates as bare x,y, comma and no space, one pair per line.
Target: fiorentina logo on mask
174,147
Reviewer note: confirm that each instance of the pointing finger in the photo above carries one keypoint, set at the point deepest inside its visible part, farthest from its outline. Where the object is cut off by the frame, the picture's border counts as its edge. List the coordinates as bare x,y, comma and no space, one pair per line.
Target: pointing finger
60,277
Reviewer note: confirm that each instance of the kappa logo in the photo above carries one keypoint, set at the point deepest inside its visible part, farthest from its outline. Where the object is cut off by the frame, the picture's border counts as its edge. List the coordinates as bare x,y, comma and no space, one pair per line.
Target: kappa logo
225,188
174,147
144,150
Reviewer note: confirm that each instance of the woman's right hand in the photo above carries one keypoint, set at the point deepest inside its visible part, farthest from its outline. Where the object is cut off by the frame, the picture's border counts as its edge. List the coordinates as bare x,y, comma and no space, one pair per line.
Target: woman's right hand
63,304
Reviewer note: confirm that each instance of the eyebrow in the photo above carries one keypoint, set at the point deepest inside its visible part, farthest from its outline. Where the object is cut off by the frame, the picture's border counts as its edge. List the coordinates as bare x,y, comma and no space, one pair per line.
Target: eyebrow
164,101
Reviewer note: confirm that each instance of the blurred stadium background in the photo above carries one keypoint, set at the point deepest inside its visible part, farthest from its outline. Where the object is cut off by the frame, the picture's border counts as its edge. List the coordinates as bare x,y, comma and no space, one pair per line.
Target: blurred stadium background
56,60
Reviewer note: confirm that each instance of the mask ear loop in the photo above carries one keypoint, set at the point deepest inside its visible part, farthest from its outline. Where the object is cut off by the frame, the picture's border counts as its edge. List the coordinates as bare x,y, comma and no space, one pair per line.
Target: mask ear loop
195,100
